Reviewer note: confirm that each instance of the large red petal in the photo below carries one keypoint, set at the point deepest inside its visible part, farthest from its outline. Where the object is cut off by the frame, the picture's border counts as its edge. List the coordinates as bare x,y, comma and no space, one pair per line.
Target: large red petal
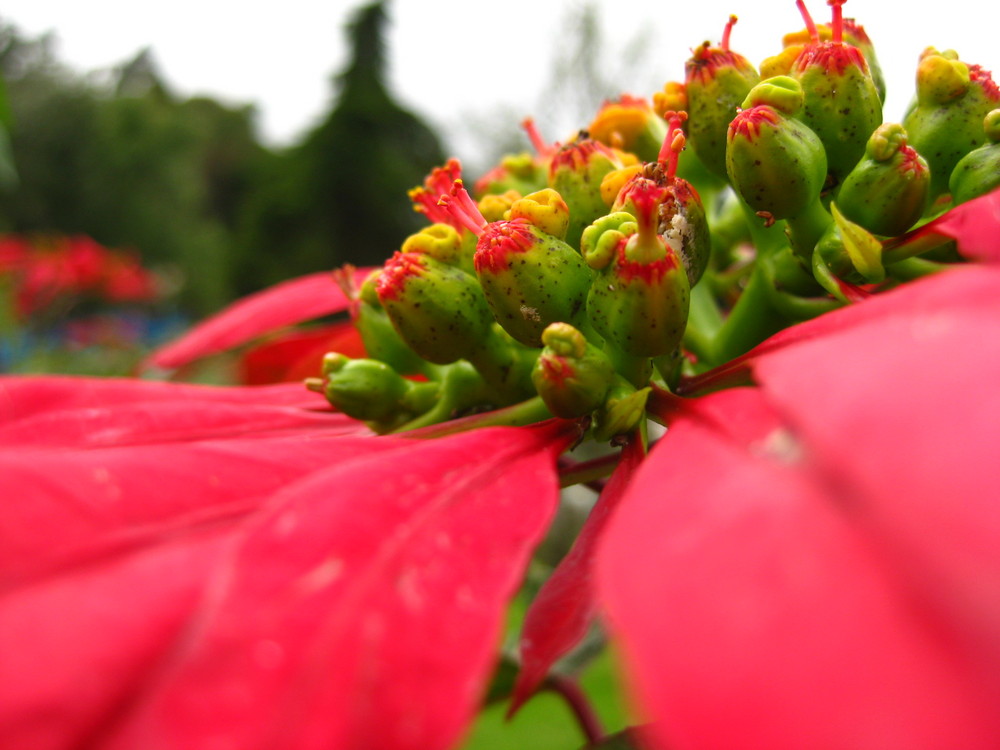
363,609
564,608
291,302
829,576
753,614
912,426
65,505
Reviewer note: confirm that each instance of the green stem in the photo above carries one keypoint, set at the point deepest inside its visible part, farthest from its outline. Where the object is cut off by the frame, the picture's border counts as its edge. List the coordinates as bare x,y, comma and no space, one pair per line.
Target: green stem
896,250
636,370
752,320
518,415
806,227
704,322
909,269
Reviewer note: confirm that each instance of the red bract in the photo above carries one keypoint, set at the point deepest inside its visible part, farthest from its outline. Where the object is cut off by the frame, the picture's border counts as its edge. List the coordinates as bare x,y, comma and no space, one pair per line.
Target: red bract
565,606
275,588
825,572
286,304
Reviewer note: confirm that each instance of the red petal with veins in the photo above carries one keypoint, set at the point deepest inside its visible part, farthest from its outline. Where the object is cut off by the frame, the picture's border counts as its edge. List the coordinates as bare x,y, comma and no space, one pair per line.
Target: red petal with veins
564,608
362,608
285,304
827,574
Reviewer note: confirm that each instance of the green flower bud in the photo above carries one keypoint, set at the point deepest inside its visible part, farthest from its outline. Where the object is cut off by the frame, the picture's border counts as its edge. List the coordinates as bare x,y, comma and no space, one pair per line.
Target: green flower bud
629,124
947,121
438,310
572,376
576,172
775,163
639,301
717,81
681,219
887,190
794,43
372,391
978,172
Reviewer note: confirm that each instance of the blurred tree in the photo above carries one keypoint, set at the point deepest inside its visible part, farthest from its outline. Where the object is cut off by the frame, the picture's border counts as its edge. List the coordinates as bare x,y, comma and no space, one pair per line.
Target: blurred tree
340,196
127,163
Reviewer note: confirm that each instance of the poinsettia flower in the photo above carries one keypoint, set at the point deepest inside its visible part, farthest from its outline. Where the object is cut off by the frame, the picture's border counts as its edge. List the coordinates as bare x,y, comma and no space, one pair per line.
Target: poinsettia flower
813,561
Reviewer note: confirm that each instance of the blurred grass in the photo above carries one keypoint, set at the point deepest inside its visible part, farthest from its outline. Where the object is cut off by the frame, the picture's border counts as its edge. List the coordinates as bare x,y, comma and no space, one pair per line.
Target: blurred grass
545,722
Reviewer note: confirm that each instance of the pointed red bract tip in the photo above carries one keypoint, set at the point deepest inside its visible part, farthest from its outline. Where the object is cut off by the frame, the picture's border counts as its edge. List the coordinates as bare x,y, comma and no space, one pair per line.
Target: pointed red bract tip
499,240
748,122
395,272
810,24
724,44
576,155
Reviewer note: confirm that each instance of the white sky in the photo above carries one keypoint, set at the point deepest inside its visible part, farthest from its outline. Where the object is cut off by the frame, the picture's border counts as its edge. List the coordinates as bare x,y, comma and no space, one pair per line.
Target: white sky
455,56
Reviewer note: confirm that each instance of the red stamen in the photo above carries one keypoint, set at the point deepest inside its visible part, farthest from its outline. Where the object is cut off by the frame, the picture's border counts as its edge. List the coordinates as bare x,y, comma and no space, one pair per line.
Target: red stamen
725,34
810,24
673,144
460,208
537,142
837,25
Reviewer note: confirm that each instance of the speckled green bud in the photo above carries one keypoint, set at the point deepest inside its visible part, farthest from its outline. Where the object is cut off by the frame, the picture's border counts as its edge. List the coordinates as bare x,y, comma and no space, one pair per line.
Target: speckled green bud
571,375
717,81
640,298
530,278
576,172
841,103
978,172
438,310
380,337
947,121
775,163
887,190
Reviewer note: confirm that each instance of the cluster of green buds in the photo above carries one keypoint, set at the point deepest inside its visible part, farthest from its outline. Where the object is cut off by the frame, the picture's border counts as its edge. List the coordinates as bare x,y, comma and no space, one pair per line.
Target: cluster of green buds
666,238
